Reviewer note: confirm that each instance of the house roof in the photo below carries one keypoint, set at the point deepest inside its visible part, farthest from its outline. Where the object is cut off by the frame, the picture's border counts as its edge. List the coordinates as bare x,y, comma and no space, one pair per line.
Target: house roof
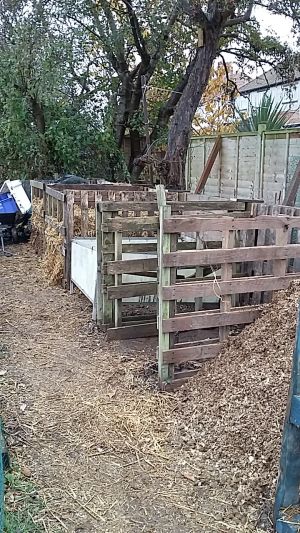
268,79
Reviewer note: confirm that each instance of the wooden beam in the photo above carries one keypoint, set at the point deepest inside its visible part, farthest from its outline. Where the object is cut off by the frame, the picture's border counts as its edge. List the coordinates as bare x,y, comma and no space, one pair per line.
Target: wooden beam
84,204
235,286
202,319
131,224
132,266
228,223
132,289
196,205
291,193
191,353
193,258
55,194
132,331
209,164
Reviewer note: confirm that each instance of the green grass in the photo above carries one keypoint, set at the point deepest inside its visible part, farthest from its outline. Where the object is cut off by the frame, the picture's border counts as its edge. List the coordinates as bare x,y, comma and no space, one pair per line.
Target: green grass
22,506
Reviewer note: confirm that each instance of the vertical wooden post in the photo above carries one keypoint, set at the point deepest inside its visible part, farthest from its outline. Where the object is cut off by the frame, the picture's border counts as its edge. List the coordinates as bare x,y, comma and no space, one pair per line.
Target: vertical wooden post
237,162
69,225
60,211
84,202
286,162
118,279
260,241
279,265
226,275
199,273
99,279
259,160
108,242
165,371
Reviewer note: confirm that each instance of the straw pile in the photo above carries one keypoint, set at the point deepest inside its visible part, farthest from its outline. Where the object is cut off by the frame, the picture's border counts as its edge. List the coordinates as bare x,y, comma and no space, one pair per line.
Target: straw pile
91,221
48,244
231,414
38,226
53,260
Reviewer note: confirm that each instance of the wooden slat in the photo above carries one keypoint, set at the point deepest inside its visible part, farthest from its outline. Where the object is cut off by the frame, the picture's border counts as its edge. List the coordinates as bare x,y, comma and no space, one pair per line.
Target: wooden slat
293,187
37,184
165,310
198,205
152,247
191,353
133,331
55,194
226,275
194,224
132,289
203,319
185,374
131,224
235,286
69,225
209,164
236,255
84,213
128,266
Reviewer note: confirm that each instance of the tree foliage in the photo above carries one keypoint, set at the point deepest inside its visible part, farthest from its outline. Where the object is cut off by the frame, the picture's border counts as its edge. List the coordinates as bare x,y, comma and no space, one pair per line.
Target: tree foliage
76,73
216,111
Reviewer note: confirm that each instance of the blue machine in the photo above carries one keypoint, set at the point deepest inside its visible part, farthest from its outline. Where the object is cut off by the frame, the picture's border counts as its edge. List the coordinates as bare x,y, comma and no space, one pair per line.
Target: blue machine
287,499
7,204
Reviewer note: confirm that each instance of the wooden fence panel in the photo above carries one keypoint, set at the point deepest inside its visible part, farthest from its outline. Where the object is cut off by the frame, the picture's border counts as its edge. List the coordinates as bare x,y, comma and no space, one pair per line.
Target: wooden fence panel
246,241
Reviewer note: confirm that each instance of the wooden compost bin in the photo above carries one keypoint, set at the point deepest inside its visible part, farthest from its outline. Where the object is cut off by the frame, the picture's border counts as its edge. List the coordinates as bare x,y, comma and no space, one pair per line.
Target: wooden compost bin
256,257
69,210
114,225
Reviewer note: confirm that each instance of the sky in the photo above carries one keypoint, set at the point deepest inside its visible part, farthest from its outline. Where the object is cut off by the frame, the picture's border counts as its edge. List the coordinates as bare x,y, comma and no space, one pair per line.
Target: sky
278,24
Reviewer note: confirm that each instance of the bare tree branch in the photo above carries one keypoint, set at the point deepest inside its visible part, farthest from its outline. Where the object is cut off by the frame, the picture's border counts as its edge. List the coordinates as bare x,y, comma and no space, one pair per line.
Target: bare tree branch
242,18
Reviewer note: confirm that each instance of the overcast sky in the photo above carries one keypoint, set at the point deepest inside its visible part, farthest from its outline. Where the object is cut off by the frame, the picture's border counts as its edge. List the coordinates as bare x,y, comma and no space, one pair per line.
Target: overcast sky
280,25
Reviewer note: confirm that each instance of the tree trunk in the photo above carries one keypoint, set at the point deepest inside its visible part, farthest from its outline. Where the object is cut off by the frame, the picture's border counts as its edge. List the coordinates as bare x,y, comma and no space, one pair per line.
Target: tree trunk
173,165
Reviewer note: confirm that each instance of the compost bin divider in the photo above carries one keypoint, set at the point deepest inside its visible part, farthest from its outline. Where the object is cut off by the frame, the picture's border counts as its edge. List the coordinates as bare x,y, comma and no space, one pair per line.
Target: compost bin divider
176,363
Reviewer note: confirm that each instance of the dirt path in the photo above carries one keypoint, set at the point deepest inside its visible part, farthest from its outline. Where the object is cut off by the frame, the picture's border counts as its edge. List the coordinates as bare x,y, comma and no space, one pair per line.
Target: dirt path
99,442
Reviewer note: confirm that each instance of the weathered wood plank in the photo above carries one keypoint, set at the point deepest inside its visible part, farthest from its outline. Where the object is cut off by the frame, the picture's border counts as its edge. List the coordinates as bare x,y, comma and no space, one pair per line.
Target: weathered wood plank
293,187
69,225
191,353
234,286
200,320
55,194
132,289
226,275
118,279
236,255
131,224
199,205
127,266
165,340
209,164
134,331
194,224
37,184
84,213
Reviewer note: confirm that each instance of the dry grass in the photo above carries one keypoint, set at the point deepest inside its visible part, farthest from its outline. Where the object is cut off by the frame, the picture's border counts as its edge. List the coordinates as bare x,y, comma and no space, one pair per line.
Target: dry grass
107,451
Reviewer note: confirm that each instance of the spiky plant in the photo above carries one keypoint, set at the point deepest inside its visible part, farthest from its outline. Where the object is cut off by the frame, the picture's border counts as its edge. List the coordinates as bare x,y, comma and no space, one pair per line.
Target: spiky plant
268,113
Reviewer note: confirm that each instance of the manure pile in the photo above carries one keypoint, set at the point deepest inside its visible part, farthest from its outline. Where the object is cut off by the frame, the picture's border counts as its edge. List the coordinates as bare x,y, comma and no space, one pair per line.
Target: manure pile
231,414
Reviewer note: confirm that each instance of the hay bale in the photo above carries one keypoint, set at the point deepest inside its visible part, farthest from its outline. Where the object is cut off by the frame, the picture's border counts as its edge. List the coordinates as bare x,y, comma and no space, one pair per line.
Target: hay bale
38,226
53,261
91,221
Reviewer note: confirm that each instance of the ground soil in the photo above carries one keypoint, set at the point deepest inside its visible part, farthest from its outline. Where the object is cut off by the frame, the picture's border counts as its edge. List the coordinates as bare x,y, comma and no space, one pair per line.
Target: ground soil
106,450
